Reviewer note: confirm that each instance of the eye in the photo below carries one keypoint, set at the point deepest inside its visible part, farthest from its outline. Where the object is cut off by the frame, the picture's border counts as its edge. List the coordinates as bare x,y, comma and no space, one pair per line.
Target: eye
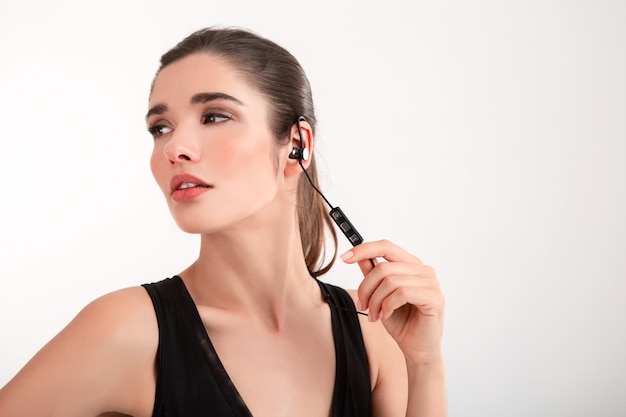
159,130
208,118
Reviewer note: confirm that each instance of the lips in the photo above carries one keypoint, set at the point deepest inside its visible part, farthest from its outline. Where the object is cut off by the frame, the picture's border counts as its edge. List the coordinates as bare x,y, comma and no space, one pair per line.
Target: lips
187,187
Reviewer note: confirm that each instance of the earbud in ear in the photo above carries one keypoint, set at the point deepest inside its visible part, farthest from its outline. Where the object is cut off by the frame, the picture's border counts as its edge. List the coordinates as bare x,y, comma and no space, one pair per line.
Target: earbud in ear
297,154
302,153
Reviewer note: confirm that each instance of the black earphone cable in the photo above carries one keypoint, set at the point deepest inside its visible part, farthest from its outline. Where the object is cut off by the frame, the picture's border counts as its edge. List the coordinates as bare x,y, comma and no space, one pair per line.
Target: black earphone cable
340,219
313,185
338,216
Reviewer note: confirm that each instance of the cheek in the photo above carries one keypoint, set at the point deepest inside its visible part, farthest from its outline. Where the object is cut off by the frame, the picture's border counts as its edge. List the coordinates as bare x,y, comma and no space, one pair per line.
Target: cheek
249,160
249,174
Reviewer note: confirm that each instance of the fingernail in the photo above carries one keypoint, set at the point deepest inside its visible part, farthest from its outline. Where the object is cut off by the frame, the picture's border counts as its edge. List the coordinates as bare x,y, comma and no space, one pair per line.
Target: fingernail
347,256
359,305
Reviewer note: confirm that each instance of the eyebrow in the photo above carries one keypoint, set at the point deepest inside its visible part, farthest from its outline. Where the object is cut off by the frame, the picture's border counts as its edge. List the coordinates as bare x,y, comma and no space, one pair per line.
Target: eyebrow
198,98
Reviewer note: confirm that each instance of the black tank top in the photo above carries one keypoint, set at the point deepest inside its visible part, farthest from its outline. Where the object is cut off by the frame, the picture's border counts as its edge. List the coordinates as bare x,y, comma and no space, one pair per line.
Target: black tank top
192,382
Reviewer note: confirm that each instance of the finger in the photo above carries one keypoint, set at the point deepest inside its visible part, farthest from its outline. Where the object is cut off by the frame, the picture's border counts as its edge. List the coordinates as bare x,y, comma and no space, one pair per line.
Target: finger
428,301
386,287
384,270
367,266
379,249
410,290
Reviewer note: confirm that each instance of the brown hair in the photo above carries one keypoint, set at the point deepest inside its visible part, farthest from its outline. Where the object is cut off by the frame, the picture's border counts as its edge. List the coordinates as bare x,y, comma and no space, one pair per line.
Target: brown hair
280,78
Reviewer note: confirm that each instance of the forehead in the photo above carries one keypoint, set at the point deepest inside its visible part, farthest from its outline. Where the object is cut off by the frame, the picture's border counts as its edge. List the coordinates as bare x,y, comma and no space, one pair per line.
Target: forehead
200,72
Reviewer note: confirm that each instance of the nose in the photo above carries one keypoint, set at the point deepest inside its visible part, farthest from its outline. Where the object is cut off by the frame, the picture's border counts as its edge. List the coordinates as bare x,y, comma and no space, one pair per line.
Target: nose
182,147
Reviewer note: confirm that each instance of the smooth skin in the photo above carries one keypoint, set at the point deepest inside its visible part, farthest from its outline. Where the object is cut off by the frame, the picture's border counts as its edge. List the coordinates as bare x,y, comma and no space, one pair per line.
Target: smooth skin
250,281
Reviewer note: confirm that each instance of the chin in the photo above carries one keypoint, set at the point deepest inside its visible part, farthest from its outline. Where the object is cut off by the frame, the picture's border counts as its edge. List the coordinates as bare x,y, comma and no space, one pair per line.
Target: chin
197,225
191,229
202,221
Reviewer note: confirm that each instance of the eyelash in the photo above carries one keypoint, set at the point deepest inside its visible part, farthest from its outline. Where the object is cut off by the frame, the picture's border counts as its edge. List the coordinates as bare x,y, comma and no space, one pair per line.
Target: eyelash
155,130
213,115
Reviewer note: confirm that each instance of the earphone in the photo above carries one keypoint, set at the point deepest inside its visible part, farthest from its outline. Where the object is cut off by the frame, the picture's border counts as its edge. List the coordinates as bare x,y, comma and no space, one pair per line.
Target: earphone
297,153
338,216
301,153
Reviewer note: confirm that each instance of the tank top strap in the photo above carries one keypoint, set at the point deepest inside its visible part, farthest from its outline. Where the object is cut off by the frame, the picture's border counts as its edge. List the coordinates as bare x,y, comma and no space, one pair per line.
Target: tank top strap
191,380
352,396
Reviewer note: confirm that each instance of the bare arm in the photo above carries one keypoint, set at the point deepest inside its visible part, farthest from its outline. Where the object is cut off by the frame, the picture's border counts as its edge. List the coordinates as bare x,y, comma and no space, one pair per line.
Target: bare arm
102,361
427,391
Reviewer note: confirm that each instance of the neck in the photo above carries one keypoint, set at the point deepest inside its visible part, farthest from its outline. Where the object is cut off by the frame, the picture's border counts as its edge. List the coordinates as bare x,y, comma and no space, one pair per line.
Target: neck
256,268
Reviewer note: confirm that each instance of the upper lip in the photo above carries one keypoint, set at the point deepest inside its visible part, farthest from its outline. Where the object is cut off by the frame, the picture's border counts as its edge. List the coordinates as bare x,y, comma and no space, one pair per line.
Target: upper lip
179,179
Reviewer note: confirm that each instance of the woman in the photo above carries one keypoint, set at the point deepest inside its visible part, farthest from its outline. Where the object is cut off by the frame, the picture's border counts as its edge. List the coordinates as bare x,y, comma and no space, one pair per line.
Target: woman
247,329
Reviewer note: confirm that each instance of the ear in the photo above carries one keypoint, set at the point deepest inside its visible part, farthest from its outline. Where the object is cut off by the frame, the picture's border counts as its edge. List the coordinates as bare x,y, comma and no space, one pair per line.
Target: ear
292,167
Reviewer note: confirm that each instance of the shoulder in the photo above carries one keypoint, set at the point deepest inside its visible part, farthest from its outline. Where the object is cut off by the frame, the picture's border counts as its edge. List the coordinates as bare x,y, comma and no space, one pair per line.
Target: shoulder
123,318
122,315
102,360
121,303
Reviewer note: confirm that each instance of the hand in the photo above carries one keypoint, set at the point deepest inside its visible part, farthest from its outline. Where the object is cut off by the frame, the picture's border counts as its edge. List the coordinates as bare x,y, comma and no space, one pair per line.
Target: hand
402,292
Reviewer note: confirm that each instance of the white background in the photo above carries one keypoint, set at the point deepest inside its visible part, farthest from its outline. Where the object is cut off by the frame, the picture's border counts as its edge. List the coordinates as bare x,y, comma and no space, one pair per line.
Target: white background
487,137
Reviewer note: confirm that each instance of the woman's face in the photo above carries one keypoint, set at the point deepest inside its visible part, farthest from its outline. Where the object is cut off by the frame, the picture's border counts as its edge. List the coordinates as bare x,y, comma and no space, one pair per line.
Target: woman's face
213,154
